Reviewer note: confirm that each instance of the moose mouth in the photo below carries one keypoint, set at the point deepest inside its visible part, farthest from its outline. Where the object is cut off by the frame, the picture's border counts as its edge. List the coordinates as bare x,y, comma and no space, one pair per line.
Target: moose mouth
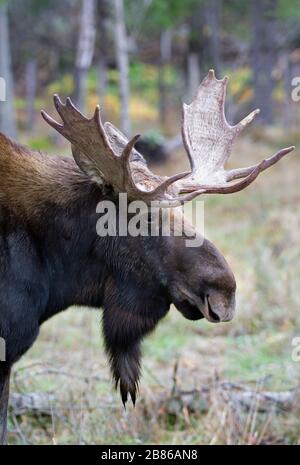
193,311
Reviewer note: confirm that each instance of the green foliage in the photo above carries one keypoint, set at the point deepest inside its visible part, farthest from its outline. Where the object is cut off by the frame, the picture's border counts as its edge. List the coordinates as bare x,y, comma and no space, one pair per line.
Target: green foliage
63,86
144,77
42,143
153,138
288,9
236,18
162,14
34,7
167,13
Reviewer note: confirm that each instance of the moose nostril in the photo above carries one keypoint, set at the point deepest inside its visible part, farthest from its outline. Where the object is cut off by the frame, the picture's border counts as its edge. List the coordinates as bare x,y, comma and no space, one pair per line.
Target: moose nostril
202,297
212,314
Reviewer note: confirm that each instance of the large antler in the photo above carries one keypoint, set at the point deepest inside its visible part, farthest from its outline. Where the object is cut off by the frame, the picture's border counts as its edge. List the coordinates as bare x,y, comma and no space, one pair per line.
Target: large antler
110,152
208,139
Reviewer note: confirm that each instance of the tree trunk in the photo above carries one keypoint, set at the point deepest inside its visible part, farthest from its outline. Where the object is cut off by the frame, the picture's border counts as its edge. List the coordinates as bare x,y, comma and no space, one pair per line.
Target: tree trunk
103,47
123,65
288,76
263,56
193,75
212,33
102,78
31,82
85,50
165,58
7,114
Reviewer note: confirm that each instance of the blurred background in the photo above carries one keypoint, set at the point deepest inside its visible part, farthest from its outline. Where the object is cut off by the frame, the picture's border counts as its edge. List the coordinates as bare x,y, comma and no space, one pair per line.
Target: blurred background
237,383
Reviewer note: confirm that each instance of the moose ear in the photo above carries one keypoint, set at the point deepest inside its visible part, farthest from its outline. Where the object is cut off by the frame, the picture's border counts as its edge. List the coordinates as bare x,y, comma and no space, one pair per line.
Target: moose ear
87,166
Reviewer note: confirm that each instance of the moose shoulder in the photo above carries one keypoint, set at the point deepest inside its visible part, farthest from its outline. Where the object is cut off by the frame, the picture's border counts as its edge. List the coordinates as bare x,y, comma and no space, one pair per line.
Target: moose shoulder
51,256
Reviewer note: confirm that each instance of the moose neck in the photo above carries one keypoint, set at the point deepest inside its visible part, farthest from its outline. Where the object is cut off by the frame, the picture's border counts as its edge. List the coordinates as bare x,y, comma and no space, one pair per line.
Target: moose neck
52,205
72,250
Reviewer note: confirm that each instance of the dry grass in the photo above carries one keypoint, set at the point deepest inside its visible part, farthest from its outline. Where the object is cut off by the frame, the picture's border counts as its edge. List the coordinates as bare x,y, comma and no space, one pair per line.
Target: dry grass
258,231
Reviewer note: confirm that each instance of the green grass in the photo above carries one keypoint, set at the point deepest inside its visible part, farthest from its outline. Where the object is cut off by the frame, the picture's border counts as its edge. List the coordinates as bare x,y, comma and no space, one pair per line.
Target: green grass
264,355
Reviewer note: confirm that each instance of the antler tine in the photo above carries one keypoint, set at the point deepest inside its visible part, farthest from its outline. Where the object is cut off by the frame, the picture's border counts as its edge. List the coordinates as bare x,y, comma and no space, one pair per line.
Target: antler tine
243,172
68,110
54,124
180,199
231,188
97,119
68,113
211,77
125,159
70,105
58,105
128,149
248,176
163,187
159,192
247,120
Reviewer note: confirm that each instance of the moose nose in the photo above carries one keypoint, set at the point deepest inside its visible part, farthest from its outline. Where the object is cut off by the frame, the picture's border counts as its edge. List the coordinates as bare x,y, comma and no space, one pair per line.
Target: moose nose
216,312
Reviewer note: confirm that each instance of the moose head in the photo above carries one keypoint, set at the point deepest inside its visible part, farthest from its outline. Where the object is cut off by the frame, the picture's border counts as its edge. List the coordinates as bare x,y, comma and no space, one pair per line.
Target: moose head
147,274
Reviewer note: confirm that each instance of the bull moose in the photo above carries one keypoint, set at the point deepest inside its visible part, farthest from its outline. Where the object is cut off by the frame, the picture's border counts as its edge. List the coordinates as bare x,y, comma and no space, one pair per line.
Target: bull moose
51,256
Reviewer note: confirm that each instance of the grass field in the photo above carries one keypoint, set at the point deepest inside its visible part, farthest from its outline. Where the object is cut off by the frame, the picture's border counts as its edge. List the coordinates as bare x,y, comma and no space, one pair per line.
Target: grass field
258,231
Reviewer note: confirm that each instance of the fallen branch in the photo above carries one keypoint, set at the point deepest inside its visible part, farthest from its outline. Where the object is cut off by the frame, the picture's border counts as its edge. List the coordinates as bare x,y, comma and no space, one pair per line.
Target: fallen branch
265,400
35,402
240,397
